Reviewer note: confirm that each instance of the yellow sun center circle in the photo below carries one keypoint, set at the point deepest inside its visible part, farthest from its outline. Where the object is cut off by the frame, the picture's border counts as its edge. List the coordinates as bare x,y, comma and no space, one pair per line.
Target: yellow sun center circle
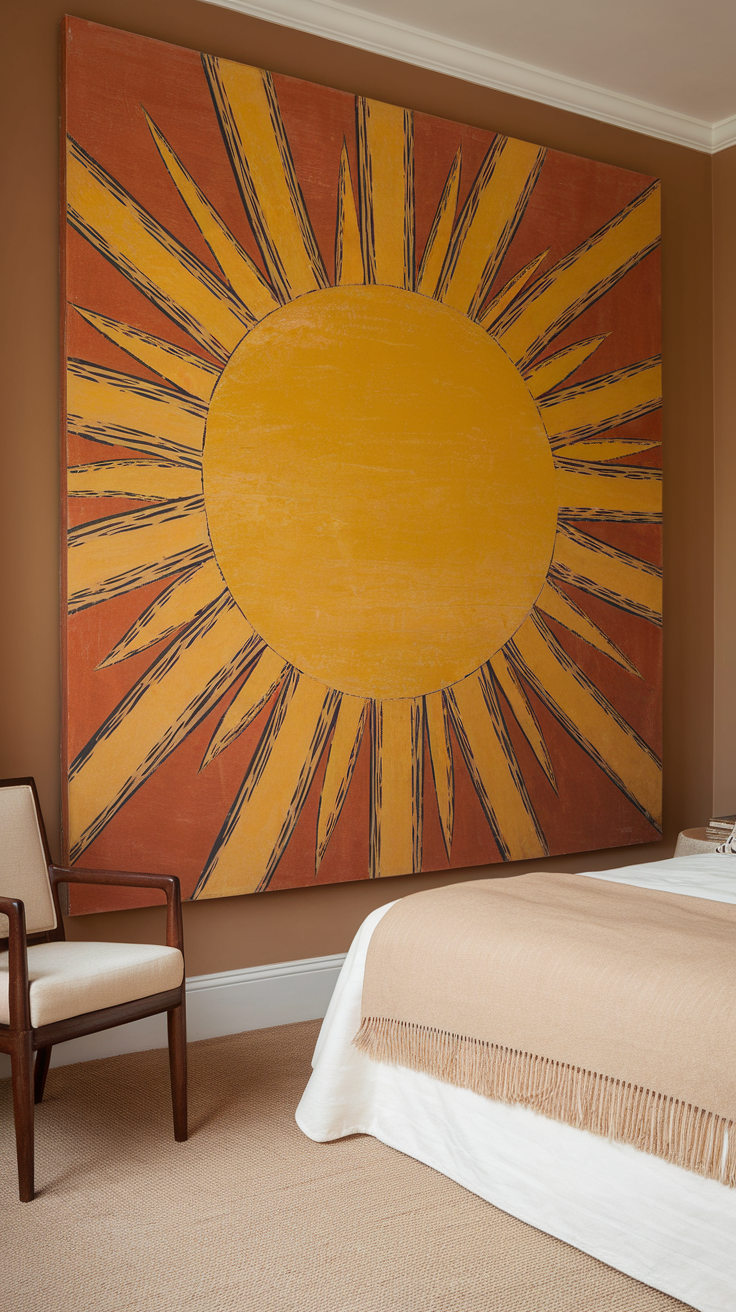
379,488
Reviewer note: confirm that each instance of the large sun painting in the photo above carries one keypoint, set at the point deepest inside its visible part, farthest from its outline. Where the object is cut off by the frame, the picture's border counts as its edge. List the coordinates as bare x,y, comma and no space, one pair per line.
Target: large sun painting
362,434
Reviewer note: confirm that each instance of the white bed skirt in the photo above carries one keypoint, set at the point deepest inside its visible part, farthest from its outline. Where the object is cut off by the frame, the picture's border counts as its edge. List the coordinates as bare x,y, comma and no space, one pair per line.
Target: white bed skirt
662,1225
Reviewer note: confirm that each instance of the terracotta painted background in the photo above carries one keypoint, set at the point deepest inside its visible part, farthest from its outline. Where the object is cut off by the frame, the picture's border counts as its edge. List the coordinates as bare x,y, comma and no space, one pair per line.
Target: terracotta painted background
301,923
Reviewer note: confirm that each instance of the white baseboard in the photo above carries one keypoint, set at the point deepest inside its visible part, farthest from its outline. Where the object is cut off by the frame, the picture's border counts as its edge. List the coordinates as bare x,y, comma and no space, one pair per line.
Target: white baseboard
226,1003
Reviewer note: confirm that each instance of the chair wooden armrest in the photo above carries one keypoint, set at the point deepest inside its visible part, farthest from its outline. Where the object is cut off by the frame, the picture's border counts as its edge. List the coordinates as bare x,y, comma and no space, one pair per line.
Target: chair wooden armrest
18,1000
168,884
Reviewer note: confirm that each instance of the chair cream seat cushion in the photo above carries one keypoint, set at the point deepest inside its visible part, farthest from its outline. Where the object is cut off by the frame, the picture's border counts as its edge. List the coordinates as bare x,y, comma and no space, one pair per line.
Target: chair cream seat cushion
69,979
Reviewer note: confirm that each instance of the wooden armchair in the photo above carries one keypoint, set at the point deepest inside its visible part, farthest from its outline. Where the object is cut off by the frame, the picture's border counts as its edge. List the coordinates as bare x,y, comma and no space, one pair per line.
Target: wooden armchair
51,990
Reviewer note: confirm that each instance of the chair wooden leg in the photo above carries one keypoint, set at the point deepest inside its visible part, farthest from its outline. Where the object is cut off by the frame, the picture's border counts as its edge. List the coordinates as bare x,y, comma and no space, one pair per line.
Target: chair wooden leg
177,1027
22,1067
41,1070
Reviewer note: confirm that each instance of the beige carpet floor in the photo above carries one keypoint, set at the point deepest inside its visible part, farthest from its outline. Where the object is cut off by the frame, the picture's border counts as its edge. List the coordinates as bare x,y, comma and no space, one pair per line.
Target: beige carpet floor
249,1215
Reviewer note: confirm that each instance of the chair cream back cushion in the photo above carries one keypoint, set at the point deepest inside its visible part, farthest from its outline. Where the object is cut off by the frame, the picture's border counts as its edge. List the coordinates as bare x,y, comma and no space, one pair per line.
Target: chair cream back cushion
23,871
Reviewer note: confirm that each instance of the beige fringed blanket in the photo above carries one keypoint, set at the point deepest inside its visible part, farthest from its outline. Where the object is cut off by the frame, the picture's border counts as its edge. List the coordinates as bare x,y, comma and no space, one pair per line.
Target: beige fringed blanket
608,1007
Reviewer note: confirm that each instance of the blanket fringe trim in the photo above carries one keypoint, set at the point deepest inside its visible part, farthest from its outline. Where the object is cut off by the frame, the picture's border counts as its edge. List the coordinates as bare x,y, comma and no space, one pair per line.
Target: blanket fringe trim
687,1136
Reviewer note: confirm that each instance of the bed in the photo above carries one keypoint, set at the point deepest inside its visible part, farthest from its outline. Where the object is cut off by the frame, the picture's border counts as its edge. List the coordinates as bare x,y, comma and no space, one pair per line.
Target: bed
663,1225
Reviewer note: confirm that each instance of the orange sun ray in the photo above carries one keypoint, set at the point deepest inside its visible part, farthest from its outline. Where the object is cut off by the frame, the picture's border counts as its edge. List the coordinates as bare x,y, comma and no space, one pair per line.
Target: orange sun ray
630,584
110,556
440,232
161,708
179,603
348,252
253,131
187,371
587,716
261,681
121,410
341,760
582,277
386,190
602,403
397,766
243,275
264,814
493,767
141,248
489,219
443,770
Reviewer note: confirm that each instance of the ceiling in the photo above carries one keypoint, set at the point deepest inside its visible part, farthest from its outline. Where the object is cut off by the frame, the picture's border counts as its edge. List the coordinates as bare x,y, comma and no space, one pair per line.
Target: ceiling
664,67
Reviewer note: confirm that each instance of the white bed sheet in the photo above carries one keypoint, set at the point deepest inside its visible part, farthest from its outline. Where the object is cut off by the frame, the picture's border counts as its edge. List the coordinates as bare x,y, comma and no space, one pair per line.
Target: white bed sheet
658,1223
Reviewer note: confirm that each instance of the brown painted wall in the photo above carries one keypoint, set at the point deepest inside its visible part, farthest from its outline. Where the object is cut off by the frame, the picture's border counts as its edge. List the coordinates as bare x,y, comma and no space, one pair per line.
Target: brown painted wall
235,932
724,395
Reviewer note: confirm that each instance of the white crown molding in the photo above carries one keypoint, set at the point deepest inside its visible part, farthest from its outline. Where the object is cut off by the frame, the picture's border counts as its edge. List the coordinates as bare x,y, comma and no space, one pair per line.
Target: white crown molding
412,45
724,134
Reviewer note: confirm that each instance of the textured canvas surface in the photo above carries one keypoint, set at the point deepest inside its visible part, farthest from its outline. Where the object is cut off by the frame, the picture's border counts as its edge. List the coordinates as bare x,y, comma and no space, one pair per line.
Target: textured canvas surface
363,487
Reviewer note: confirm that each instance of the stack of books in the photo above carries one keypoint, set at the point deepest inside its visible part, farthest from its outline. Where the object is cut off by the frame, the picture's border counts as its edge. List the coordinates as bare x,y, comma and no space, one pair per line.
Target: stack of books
720,827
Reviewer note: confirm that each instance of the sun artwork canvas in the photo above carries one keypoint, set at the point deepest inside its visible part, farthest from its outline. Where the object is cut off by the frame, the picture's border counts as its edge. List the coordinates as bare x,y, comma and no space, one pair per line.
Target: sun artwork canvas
363,490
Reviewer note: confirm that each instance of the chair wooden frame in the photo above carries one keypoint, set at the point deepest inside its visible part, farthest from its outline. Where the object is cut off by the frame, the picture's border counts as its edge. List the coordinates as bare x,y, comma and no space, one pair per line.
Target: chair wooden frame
20,1040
